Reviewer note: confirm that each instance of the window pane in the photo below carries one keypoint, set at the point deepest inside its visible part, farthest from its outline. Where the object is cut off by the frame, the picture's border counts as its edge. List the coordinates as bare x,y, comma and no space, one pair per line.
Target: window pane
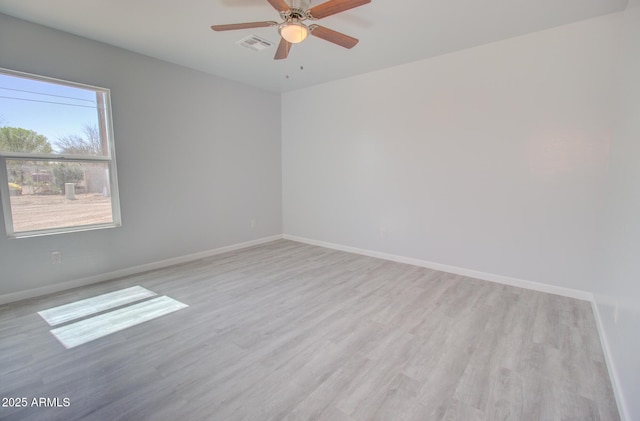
47,194
38,116
41,118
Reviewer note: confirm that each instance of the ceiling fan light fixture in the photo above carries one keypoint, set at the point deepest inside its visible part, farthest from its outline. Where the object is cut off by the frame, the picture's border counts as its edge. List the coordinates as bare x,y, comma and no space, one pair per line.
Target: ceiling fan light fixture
294,32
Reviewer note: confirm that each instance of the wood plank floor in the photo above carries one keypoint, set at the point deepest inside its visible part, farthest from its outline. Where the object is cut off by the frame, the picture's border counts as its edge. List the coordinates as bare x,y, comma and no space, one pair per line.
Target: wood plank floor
288,331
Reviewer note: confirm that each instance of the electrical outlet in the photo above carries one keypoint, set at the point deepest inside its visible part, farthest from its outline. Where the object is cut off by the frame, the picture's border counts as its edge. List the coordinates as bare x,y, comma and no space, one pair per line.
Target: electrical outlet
383,233
252,223
56,257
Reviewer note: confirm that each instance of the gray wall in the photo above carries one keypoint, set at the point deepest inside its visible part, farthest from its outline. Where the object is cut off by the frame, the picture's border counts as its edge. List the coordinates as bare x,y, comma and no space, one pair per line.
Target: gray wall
492,159
198,157
617,291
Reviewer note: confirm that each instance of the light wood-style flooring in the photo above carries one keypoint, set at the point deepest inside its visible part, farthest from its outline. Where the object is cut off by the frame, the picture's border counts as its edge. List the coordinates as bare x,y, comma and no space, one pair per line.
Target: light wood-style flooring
288,331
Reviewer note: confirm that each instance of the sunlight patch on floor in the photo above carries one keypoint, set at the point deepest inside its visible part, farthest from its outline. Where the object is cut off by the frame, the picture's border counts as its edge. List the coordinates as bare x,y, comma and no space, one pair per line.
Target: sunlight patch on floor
100,325
79,309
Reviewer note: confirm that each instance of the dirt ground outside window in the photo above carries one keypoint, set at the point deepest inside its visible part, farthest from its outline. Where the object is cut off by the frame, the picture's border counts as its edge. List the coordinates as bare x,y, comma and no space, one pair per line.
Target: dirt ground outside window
34,212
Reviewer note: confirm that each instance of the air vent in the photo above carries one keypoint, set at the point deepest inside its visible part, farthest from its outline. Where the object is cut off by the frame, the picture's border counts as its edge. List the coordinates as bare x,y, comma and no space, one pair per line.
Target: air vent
255,43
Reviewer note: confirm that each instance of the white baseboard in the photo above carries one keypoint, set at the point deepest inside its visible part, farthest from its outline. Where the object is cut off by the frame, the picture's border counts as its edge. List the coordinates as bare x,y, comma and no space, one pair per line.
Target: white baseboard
62,286
611,368
536,286
505,280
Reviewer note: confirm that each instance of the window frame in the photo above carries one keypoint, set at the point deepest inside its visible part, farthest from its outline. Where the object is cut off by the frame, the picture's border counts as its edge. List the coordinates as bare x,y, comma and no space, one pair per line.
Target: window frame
106,123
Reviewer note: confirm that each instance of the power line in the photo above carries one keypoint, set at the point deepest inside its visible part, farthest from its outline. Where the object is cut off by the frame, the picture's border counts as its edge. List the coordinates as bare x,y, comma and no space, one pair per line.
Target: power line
48,102
42,93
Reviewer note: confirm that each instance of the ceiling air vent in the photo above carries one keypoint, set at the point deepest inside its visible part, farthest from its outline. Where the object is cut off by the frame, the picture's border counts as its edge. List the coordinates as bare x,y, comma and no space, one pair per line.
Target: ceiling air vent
255,43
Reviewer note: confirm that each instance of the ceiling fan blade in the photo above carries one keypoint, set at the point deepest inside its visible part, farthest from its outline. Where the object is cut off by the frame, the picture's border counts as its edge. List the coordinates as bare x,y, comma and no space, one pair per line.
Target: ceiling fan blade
246,25
335,6
279,5
333,36
283,49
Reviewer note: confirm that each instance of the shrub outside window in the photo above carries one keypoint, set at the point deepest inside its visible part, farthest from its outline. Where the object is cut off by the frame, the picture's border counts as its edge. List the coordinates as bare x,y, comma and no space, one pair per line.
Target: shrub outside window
57,157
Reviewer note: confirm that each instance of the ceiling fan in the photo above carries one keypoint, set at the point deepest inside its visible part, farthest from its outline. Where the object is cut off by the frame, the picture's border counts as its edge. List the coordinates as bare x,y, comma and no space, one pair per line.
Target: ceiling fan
293,30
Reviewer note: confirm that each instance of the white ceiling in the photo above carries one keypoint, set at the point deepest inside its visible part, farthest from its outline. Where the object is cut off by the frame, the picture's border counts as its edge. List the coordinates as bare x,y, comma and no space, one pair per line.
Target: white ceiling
391,32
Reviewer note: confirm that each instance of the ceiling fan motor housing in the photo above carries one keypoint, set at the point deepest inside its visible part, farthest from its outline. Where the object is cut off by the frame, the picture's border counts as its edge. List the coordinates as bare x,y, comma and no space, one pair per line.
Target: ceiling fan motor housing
300,4
296,13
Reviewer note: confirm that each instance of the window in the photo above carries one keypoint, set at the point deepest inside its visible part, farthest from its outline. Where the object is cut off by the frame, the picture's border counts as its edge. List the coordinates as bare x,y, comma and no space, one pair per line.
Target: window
57,160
